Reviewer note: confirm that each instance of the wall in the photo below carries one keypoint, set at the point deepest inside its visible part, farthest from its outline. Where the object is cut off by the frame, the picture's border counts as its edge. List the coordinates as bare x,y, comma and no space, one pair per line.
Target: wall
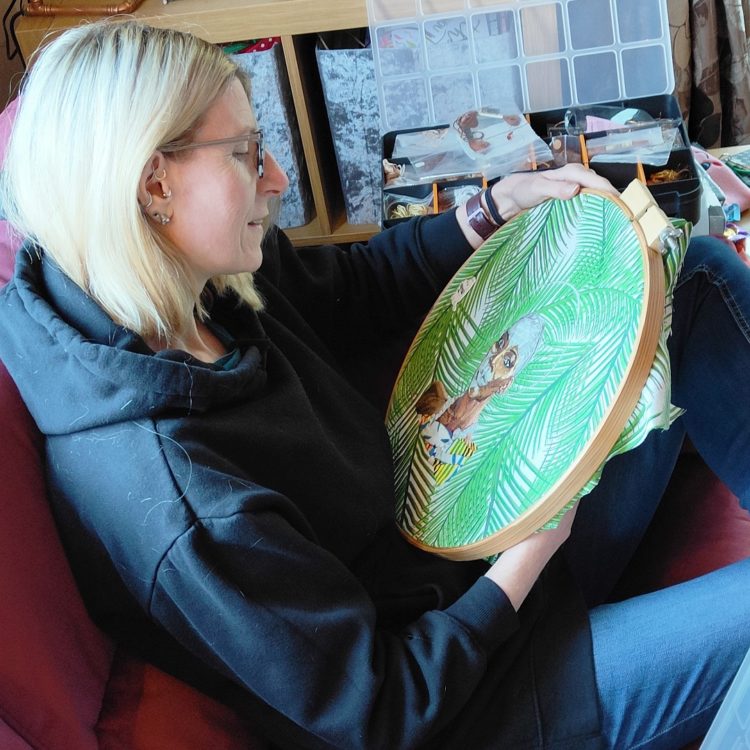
10,75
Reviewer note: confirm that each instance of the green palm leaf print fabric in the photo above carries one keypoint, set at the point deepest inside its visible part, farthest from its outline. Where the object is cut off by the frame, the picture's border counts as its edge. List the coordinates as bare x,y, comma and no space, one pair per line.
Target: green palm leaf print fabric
515,367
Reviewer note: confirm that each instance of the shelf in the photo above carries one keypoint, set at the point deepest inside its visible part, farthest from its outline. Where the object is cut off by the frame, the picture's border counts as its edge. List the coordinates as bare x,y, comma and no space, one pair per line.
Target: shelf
297,22
216,20
344,234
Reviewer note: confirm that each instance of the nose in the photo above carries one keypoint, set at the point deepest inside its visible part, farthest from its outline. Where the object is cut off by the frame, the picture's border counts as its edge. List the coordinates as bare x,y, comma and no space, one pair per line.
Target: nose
274,180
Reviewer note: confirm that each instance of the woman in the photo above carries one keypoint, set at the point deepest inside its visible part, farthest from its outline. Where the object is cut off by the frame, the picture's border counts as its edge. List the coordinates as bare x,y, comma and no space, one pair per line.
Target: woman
225,494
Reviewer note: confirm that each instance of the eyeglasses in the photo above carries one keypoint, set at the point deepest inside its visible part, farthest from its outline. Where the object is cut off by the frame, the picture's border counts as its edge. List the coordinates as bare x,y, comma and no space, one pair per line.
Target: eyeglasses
255,137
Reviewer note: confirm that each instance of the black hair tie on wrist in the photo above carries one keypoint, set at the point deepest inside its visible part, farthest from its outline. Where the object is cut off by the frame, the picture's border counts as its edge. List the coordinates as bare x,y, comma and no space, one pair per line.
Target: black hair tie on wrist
492,208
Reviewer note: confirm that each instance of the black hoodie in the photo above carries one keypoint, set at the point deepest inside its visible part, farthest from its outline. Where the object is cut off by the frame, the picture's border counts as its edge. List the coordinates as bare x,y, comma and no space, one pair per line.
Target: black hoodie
236,525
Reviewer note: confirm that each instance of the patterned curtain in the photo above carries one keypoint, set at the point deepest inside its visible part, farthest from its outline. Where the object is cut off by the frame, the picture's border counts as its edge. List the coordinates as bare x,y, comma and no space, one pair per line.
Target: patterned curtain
711,51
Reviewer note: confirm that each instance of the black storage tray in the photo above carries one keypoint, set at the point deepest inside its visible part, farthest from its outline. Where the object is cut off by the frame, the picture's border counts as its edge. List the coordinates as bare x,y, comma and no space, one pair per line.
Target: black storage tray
419,191
677,198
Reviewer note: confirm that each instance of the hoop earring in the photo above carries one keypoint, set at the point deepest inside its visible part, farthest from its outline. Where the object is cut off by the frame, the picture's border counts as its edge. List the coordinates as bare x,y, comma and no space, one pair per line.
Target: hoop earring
163,176
150,201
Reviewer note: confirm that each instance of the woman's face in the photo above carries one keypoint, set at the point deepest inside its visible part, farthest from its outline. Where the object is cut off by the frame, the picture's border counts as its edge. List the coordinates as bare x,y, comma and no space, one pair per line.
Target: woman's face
218,200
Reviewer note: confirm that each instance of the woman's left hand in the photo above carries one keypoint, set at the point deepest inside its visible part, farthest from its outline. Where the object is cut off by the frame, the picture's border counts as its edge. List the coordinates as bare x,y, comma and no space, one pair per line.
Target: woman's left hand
523,190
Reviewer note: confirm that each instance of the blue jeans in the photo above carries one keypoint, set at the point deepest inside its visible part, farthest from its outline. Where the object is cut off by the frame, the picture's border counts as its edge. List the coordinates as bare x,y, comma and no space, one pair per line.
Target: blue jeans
664,660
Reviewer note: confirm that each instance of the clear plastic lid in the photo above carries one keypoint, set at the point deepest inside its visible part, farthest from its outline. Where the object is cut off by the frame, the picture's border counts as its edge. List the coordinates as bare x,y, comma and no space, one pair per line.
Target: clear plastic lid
437,58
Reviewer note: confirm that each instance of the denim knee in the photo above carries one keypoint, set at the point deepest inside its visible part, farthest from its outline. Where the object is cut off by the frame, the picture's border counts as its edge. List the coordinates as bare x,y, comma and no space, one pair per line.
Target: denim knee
713,255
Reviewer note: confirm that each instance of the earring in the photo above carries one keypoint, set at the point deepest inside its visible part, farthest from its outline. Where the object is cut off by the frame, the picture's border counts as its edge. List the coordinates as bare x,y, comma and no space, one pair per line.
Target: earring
150,201
168,194
163,176
162,218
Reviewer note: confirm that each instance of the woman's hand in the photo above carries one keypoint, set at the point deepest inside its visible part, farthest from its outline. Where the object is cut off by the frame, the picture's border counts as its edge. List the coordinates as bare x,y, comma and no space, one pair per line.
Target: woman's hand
518,567
523,190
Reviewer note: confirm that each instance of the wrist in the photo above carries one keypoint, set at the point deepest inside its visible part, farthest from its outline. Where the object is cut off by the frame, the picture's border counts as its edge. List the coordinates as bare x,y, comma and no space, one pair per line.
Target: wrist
492,208
515,575
505,207
518,567
478,216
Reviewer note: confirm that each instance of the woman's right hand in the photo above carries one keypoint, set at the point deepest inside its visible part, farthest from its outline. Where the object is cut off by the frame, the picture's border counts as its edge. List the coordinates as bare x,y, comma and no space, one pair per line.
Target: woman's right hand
516,570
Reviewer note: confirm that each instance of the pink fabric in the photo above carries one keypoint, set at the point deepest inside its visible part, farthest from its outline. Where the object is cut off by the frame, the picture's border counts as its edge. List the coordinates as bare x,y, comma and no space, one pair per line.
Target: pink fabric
7,118
9,242
732,186
9,740
599,124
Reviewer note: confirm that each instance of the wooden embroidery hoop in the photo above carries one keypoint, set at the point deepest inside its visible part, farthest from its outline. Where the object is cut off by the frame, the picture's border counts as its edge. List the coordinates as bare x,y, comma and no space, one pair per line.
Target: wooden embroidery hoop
648,223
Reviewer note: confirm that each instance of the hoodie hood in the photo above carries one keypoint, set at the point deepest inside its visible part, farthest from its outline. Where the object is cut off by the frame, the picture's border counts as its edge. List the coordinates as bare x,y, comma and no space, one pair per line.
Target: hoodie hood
77,369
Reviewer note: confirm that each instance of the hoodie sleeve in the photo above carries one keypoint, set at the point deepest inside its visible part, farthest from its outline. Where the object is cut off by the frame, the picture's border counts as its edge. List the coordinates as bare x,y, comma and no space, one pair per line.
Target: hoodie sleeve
264,605
381,286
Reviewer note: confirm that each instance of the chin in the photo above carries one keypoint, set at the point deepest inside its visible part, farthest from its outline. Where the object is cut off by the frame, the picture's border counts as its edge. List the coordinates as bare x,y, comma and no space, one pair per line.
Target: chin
252,260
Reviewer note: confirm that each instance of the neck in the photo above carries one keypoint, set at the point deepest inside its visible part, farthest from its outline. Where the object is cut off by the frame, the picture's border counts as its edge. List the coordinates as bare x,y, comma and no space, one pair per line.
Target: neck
198,341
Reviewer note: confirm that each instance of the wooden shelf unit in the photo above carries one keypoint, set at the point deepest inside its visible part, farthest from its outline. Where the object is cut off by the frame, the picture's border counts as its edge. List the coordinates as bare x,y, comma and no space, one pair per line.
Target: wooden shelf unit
297,22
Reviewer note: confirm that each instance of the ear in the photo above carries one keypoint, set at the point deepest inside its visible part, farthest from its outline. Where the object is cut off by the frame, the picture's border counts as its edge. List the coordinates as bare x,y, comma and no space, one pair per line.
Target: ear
154,193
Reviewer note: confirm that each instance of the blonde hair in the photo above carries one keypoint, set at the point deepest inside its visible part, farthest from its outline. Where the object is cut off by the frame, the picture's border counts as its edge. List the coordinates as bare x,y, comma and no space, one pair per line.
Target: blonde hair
97,103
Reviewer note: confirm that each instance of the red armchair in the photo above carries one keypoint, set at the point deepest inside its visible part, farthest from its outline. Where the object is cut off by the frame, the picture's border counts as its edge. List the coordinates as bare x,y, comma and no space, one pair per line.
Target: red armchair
65,686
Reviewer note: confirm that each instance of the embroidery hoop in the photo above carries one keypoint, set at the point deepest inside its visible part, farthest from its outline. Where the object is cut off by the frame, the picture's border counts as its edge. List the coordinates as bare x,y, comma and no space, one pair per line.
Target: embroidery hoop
447,519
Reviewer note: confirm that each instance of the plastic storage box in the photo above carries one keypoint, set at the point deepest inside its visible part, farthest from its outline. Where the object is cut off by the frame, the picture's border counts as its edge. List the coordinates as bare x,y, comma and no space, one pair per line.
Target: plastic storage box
678,197
437,58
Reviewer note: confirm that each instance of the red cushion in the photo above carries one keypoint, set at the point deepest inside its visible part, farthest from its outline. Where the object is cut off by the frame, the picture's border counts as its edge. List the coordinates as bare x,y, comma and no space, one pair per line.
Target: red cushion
55,663
59,686
699,526
147,709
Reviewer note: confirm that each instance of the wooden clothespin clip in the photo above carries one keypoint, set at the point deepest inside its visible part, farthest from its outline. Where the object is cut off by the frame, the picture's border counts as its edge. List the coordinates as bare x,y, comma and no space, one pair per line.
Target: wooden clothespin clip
653,221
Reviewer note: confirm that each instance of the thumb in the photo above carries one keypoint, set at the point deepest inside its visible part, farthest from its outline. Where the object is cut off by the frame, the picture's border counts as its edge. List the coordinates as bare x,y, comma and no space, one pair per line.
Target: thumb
542,189
562,189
